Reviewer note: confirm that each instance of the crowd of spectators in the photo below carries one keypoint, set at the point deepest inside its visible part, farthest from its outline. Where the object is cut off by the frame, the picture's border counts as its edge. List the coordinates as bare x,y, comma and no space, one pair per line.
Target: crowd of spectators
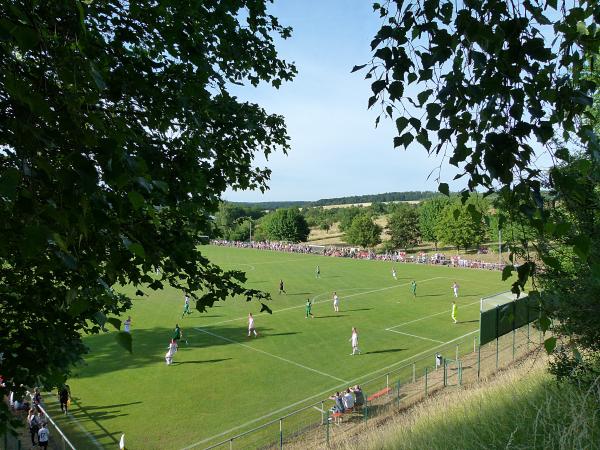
357,253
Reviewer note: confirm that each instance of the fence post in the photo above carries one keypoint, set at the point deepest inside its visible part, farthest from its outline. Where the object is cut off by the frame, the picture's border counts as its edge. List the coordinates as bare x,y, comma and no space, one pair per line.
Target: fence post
497,354
460,373
327,429
456,352
445,372
398,396
366,413
231,444
478,362
414,372
322,412
387,380
425,381
280,433
528,334
474,344
513,333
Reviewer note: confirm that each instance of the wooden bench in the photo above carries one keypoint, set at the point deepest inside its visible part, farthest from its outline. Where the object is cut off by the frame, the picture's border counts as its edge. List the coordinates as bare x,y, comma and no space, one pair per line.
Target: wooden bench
378,394
337,416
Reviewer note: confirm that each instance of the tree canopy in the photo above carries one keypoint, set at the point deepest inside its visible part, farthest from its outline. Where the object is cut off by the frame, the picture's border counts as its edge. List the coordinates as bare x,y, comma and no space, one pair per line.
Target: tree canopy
492,85
363,231
285,225
403,227
117,138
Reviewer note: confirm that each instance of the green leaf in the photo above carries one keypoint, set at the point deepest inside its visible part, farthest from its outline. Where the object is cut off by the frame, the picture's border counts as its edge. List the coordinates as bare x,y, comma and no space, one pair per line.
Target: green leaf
124,340
372,101
136,199
97,77
356,68
378,86
137,249
444,189
581,246
9,180
114,322
582,29
507,272
423,96
401,123
550,344
100,318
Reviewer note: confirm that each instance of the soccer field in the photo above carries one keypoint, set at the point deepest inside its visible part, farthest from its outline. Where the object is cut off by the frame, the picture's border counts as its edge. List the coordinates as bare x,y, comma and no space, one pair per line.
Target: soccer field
223,382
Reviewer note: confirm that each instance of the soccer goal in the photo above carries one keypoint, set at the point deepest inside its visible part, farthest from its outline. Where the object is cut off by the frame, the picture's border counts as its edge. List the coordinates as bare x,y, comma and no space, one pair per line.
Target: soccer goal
317,249
493,301
502,313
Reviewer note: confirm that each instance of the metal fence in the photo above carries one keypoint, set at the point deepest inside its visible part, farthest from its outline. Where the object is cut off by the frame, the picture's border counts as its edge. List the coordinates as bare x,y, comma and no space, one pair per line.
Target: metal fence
463,361
57,439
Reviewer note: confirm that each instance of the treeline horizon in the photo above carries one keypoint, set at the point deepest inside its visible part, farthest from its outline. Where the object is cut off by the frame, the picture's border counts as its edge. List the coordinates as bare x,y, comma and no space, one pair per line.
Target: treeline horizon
348,200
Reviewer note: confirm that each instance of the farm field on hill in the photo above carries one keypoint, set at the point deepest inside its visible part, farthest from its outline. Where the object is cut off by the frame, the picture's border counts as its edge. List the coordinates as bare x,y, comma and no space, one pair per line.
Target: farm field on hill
223,383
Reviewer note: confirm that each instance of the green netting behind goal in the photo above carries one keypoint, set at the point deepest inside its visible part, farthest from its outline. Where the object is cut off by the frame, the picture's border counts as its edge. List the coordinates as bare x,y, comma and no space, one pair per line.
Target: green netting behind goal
500,316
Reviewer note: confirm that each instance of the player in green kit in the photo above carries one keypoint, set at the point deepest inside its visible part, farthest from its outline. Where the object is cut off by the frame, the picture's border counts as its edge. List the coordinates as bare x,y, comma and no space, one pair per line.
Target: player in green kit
413,288
308,309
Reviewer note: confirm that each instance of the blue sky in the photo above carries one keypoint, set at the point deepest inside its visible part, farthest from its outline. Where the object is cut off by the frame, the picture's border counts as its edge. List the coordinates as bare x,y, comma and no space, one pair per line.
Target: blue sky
335,148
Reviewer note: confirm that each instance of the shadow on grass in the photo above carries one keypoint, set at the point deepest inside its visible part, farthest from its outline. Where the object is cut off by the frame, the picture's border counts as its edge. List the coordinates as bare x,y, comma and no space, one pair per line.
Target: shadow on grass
389,350
328,317
280,334
468,321
150,345
360,309
177,363
301,293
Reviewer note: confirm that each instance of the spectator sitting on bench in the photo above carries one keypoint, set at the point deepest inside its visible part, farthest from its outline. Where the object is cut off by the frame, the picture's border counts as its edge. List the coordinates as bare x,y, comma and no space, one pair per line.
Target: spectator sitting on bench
358,394
348,399
339,404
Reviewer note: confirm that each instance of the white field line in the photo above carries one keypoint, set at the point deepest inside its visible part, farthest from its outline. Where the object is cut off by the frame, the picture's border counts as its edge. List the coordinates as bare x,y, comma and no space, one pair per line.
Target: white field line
81,428
258,419
272,355
333,388
427,317
328,300
418,337
319,409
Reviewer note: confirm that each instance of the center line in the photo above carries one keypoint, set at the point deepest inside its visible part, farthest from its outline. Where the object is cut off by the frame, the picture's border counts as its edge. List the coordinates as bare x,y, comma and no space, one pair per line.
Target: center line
271,355
415,336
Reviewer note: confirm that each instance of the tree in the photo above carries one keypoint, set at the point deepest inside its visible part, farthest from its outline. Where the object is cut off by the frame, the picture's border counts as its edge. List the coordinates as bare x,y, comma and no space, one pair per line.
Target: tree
117,138
363,232
347,215
489,78
285,225
403,227
461,226
430,213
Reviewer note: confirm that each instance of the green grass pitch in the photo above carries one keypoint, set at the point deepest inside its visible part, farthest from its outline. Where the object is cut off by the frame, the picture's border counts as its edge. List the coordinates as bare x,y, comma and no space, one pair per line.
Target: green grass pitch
224,382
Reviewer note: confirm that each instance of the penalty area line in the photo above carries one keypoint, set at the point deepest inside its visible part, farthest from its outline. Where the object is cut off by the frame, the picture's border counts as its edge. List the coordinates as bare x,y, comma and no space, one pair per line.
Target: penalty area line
415,336
429,316
289,361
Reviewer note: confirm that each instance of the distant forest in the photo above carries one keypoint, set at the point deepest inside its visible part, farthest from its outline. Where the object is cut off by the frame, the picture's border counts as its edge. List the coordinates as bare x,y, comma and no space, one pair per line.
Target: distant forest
369,198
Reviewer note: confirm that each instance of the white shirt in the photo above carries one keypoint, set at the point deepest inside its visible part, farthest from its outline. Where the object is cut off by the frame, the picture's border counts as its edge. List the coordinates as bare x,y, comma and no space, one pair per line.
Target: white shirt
187,301
336,299
348,400
127,325
250,323
354,339
43,434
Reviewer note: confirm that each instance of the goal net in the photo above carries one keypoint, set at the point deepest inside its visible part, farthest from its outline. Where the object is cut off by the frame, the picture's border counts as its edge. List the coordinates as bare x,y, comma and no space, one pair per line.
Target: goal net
496,300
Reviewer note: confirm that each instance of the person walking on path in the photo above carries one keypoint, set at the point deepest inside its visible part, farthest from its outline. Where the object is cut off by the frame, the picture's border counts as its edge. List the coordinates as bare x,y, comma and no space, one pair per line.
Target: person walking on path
413,288
354,341
336,302
308,309
43,436
251,327
64,397
34,424
454,310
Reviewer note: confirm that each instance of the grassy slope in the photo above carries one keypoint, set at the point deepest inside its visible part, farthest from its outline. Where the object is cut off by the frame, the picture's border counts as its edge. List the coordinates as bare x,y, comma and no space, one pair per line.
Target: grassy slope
522,408
218,384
